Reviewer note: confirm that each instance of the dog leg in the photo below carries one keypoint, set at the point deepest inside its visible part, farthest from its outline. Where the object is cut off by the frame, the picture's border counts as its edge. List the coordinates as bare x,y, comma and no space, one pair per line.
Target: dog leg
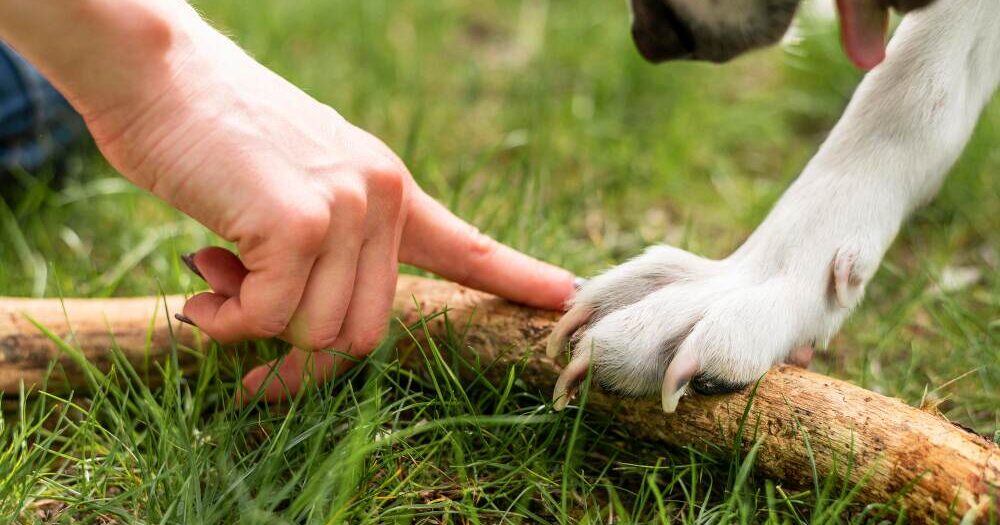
800,273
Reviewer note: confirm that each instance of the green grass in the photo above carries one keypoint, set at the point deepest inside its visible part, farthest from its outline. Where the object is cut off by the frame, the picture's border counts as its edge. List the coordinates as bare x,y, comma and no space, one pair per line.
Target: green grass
537,122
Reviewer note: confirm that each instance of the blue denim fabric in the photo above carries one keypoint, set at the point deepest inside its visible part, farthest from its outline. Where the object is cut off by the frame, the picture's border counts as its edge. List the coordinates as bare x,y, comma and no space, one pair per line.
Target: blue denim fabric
37,126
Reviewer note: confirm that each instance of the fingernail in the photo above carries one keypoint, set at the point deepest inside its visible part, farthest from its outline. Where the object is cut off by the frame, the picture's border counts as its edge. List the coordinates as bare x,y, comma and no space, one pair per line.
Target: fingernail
188,259
578,283
185,319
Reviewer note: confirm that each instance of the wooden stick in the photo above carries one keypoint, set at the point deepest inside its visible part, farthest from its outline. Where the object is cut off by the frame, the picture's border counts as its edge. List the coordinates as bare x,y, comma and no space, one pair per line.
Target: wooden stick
946,472
139,327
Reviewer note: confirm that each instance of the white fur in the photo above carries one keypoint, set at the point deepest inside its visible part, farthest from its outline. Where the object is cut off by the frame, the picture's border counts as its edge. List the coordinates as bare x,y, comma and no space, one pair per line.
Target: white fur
796,278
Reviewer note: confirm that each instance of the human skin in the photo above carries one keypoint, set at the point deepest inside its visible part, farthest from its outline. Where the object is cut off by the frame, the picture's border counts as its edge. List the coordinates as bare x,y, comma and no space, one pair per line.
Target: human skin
321,211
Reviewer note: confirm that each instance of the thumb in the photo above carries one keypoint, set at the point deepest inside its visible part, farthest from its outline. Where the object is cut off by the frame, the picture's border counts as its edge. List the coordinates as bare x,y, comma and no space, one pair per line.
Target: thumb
436,240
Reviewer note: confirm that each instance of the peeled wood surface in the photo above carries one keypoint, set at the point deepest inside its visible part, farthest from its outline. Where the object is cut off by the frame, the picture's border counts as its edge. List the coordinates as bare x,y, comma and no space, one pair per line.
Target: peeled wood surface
951,472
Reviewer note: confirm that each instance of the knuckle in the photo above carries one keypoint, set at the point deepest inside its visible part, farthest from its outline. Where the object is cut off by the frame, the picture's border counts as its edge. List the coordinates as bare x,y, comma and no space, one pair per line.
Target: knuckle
388,181
385,174
262,322
478,248
480,245
306,227
351,202
319,339
264,327
366,341
311,334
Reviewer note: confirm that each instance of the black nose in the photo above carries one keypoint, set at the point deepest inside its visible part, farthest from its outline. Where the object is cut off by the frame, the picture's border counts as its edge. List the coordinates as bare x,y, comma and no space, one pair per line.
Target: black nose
659,33
655,46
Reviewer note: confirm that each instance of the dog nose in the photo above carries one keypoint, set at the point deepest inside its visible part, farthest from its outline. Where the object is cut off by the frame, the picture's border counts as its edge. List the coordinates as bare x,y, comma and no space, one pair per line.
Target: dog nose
658,45
659,33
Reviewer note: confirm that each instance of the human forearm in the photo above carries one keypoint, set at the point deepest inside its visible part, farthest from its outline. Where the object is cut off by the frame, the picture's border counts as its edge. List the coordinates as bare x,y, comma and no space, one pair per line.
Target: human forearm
101,54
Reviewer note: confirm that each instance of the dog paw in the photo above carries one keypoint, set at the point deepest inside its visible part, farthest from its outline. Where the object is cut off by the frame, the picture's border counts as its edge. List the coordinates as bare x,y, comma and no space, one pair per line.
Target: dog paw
669,319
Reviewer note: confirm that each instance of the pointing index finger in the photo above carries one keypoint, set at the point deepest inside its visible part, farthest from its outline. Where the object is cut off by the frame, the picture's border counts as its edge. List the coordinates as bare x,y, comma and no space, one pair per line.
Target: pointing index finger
436,240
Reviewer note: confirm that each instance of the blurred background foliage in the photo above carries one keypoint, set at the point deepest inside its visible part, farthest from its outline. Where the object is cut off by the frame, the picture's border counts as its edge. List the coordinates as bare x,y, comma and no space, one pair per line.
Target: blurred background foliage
537,121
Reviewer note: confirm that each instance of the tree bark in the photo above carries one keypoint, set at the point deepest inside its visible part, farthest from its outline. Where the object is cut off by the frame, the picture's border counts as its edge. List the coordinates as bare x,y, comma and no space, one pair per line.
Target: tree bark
802,419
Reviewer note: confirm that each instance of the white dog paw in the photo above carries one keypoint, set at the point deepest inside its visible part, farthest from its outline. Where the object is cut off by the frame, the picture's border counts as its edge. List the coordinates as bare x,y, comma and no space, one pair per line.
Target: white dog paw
669,319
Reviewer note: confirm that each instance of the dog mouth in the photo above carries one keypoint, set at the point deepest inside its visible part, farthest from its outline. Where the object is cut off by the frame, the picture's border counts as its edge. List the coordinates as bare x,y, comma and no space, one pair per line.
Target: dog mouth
662,32
863,28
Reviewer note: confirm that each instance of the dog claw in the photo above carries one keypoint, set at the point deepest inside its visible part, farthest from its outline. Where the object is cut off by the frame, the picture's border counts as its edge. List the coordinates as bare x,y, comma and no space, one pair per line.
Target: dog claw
846,281
564,329
570,377
682,368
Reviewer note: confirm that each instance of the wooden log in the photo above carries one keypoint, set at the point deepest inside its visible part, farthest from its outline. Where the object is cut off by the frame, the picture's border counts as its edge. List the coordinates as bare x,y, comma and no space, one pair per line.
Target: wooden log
945,472
139,327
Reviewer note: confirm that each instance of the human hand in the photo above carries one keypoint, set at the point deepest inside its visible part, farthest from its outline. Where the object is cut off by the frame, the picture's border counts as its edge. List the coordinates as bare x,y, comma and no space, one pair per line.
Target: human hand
320,210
